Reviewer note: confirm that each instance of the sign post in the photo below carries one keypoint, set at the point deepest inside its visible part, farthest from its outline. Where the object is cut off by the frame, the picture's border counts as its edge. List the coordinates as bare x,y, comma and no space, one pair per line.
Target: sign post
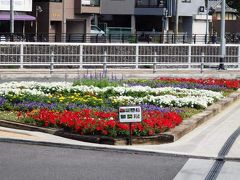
130,114
130,133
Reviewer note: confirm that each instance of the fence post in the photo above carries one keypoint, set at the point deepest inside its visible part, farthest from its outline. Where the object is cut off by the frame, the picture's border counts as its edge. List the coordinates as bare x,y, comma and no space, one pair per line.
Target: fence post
202,62
52,63
105,64
123,38
97,38
136,56
21,56
81,57
109,38
155,62
84,38
238,56
195,39
160,38
189,56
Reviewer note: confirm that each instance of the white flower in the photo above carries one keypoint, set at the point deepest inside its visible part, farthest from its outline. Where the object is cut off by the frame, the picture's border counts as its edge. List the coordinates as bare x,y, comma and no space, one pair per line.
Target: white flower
166,96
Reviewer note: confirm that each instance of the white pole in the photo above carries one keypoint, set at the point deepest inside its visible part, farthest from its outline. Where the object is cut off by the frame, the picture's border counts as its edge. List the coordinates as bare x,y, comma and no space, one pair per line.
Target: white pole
11,16
21,55
223,40
238,56
81,57
207,20
63,21
136,56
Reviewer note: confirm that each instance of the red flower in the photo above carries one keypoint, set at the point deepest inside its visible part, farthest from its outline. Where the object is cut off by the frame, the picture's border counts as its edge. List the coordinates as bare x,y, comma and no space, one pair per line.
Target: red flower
228,83
88,121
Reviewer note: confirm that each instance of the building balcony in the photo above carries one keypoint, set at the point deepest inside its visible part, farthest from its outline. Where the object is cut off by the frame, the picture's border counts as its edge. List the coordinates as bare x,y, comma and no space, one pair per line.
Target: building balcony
149,7
87,6
149,4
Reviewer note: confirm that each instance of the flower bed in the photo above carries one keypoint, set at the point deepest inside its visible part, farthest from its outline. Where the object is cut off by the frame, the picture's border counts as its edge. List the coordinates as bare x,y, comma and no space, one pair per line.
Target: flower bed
91,122
228,83
91,109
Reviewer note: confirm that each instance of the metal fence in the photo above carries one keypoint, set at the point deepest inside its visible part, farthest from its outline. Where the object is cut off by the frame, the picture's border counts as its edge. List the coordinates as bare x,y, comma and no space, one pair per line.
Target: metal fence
90,55
120,36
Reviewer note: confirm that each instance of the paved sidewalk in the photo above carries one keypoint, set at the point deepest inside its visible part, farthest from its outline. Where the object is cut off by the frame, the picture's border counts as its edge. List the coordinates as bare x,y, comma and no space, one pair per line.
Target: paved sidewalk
207,139
204,141
72,74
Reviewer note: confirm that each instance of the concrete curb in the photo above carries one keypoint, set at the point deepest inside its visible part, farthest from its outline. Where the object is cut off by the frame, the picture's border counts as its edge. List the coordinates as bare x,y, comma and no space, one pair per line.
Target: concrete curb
16,125
157,139
105,149
167,137
198,119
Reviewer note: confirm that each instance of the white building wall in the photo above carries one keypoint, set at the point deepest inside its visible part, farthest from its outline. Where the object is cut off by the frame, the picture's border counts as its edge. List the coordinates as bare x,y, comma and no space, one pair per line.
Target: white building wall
189,8
200,23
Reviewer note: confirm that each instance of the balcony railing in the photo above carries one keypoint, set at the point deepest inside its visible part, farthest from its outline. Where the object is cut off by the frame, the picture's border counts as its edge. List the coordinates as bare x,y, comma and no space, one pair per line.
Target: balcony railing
87,6
149,3
91,3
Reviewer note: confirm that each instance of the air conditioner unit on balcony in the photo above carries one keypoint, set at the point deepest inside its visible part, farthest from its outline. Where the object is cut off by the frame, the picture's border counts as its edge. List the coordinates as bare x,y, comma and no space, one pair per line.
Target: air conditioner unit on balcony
201,9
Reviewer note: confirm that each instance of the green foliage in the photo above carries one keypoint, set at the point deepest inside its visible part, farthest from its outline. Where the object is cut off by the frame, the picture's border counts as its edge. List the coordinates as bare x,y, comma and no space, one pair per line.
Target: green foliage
227,92
187,112
9,115
132,39
95,82
234,4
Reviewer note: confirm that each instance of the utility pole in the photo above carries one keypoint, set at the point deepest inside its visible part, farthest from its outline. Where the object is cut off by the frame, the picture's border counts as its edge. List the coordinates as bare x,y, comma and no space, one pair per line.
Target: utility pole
223,40
207,20
63,22
11,17
176,17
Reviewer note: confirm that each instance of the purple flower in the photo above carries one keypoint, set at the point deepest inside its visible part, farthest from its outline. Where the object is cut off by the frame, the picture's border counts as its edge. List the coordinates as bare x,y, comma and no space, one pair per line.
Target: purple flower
2,101
179,85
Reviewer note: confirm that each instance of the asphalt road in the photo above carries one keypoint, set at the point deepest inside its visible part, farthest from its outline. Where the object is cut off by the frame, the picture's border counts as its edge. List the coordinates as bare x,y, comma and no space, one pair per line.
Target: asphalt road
32,162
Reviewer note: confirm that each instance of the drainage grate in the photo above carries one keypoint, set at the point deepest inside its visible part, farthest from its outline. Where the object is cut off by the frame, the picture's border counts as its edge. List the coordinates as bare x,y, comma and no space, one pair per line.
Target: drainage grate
215,170
217,166
229,143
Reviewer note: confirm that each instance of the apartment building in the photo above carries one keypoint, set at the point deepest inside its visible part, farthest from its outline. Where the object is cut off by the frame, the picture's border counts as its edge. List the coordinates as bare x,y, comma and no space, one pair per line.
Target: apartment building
64,16
69,17
188,16
137,15
192,17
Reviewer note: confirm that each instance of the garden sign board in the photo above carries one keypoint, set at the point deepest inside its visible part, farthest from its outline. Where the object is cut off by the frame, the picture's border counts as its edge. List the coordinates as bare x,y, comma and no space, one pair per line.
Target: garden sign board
130,114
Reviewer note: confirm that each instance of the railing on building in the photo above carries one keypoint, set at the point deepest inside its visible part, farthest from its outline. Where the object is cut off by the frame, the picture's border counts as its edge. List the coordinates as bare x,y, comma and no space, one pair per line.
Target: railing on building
92,56
149,3
121,36
93,3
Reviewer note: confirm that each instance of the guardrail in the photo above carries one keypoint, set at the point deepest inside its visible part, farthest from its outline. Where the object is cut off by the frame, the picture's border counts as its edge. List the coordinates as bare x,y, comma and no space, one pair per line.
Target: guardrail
89,55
